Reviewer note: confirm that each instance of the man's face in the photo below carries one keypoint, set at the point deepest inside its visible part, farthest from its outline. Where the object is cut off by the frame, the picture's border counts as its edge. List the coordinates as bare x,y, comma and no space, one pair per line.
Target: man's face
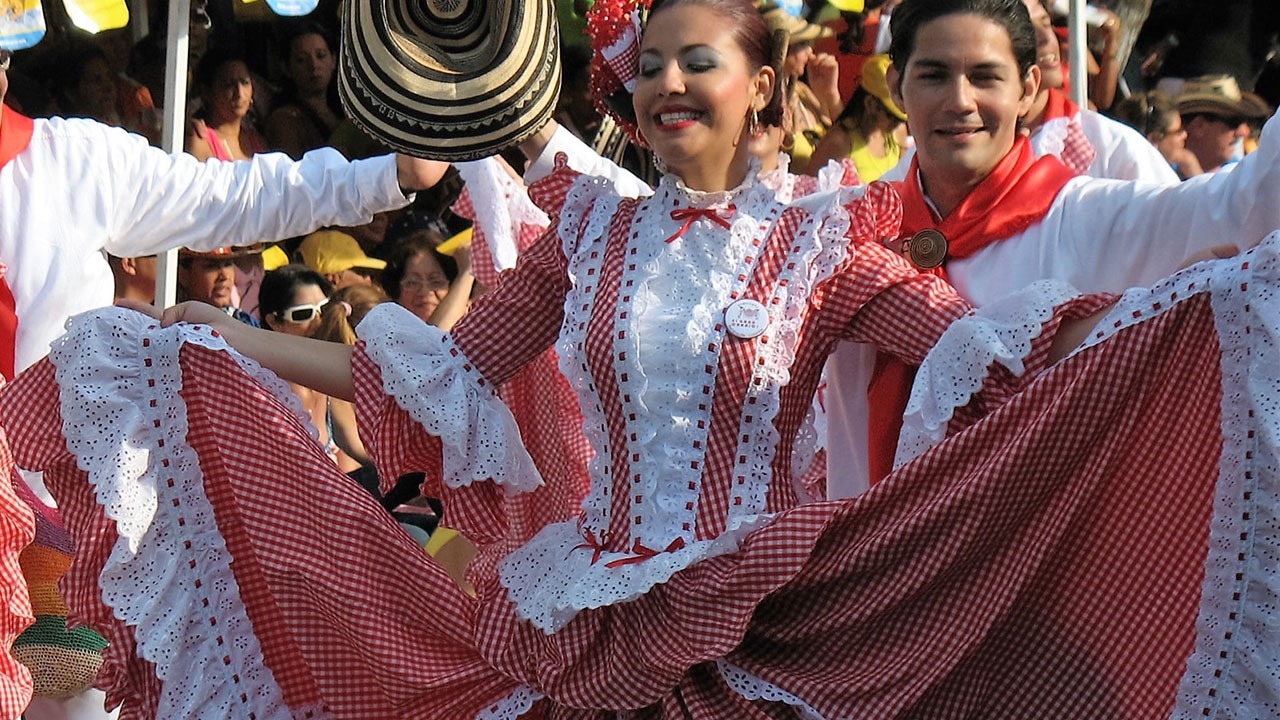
208,280
963,93
1212,138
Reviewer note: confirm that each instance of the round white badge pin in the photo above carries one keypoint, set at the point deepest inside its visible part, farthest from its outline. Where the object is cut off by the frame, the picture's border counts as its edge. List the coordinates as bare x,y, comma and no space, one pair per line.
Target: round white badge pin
746,318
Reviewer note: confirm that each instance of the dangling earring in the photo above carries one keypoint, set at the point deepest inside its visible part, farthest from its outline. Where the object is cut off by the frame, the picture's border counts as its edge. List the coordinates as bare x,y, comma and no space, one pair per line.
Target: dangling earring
753,123
658,163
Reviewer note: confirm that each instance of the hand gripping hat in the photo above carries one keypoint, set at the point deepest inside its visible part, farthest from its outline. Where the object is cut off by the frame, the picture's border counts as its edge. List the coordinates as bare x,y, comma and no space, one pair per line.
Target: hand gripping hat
449,79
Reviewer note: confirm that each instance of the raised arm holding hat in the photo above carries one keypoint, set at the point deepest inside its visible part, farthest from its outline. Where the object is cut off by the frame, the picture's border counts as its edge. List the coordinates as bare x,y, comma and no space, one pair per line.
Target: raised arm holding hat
70,189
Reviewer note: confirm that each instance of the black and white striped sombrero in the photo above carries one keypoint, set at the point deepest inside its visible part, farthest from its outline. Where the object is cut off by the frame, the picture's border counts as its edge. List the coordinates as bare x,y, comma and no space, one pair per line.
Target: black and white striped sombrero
449,79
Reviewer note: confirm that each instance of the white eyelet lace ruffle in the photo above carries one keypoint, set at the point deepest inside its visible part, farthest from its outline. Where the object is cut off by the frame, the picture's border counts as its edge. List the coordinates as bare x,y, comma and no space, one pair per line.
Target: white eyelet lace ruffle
503,203
753,688
1051,138
431,379
954,370
130,437
511,707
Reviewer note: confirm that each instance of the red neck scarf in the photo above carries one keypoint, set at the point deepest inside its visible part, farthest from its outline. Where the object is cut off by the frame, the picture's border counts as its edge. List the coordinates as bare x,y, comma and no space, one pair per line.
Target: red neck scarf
15,136
1015,196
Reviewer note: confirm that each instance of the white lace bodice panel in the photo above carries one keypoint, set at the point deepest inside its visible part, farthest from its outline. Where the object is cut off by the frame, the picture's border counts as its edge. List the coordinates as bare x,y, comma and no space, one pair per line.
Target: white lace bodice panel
679,269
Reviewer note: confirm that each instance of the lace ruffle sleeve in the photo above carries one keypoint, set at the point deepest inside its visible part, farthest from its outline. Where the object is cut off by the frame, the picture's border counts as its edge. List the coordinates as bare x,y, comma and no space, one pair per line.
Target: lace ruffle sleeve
984,357
439,388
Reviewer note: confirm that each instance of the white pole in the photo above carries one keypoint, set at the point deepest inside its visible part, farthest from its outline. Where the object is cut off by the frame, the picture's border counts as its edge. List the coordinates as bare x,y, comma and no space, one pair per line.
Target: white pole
1079,54
175,112
139,19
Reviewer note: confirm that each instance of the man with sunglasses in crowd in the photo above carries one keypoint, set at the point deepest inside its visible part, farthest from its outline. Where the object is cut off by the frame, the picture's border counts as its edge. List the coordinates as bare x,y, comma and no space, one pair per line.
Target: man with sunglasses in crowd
1215,114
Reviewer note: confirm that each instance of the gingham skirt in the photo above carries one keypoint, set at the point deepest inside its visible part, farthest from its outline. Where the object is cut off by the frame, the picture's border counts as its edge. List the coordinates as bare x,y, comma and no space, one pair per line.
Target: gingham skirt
1101,545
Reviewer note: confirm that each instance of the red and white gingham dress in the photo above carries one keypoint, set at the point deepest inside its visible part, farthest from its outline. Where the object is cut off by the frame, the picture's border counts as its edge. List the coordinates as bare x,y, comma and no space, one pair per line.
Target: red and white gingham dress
539,396
1099,544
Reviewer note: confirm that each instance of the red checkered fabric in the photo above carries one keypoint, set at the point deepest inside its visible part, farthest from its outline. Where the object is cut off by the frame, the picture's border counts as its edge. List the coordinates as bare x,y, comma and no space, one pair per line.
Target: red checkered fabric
546,409
17,530
1046,563
482,263
352,616
1077,152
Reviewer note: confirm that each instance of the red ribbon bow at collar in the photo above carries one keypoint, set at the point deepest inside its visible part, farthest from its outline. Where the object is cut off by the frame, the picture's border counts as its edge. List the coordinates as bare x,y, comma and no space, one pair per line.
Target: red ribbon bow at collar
639,553
719,216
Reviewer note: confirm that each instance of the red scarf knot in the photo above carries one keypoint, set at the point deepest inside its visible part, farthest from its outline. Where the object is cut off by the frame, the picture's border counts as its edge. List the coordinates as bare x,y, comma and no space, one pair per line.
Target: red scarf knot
719,216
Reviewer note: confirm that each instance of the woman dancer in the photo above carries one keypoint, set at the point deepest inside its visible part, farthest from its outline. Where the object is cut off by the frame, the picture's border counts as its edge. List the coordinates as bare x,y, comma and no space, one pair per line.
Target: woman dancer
1009,570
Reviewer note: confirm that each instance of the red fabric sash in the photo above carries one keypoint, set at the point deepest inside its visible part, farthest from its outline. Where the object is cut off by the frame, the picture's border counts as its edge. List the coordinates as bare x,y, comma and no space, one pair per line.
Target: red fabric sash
15,136
1059,106
1015,196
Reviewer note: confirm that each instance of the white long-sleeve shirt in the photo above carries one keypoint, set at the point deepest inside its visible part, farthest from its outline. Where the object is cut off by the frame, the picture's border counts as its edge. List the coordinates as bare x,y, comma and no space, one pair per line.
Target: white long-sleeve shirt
1099,235
82,187
1120,152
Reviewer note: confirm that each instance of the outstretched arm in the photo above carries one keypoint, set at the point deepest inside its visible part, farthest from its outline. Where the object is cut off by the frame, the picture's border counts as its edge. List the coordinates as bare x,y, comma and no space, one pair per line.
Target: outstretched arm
320,365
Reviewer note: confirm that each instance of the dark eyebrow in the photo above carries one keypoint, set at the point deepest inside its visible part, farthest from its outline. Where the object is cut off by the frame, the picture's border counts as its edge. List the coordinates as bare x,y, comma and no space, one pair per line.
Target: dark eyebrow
929,64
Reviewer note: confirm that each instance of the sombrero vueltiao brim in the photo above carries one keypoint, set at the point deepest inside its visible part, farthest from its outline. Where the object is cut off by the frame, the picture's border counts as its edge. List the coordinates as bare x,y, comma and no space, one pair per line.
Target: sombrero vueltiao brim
449,79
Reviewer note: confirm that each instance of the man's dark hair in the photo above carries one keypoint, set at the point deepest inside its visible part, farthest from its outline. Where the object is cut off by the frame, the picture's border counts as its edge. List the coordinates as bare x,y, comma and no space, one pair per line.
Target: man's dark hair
1012,15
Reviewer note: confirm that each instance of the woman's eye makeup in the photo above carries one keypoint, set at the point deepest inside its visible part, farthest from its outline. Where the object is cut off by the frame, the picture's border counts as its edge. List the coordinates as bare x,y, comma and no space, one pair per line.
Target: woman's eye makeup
694,60
699,60
650,66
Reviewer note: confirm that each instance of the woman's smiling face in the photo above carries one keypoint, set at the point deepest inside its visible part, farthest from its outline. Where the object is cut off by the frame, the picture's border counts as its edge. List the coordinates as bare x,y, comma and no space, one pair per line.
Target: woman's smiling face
695,91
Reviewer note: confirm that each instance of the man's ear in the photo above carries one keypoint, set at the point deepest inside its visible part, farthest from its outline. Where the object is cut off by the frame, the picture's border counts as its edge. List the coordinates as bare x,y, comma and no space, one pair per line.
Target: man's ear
1030,88
894,78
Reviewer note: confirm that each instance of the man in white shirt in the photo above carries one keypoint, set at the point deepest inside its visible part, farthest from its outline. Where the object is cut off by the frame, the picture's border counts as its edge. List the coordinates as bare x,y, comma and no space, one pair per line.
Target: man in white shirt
70,189
964,99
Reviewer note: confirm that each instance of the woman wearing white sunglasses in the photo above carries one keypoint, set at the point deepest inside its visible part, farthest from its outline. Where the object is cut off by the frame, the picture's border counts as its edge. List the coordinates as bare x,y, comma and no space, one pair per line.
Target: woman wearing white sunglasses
290,302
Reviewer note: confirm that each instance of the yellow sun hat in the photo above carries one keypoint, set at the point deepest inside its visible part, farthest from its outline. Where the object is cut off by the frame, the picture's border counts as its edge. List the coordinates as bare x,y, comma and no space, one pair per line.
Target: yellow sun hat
450,246
274,257
876,82
848,5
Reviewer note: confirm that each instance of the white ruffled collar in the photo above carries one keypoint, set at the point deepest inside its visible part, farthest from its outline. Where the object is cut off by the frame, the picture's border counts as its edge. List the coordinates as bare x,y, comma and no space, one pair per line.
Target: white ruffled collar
673,185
